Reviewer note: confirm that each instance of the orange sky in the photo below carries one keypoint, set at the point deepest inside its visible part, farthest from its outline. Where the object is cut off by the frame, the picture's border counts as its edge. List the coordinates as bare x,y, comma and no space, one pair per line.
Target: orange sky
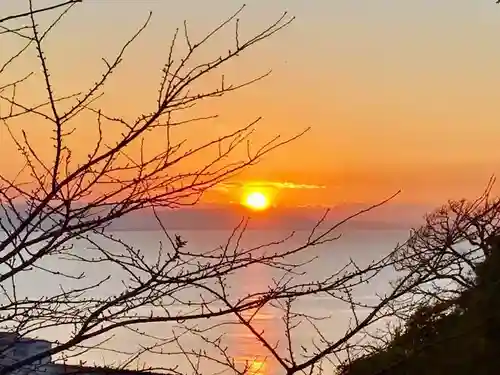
401,95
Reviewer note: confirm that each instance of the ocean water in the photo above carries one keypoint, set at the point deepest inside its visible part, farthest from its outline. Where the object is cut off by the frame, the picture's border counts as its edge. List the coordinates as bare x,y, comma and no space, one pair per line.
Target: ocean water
238,341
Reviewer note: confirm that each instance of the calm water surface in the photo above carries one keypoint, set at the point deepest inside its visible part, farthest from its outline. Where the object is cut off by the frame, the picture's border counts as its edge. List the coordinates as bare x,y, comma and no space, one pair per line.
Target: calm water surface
362,246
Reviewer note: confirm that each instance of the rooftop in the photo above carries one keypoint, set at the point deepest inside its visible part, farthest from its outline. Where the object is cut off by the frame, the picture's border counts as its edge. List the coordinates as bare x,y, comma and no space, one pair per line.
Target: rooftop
76,369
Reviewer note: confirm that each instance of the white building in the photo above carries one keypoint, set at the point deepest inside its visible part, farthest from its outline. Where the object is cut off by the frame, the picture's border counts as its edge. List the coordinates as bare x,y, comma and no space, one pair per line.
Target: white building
14,348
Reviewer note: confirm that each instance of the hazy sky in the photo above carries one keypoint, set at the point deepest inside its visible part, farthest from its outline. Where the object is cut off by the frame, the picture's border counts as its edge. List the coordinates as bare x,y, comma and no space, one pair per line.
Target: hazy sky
399,94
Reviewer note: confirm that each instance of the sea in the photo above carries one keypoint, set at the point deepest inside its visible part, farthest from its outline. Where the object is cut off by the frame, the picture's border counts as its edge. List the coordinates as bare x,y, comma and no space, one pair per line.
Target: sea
321,317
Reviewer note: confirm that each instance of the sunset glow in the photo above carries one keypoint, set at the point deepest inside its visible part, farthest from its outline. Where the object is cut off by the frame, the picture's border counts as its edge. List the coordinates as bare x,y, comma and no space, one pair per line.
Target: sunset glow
251,175
256,200
354,120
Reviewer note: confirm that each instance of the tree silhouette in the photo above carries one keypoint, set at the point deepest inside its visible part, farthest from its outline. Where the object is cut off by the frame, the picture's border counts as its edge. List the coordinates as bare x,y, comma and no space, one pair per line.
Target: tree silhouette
456,330
59,208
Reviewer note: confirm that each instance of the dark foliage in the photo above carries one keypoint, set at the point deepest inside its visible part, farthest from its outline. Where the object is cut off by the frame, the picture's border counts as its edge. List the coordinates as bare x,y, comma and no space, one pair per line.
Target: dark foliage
455,337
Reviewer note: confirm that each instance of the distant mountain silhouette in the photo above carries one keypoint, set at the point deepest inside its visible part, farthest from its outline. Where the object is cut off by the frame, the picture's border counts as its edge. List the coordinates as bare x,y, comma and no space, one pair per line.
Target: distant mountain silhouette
213,217
223,217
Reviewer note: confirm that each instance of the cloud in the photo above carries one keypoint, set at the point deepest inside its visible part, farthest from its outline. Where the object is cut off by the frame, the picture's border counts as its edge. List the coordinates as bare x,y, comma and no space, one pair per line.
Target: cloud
221,187
226,186
291,185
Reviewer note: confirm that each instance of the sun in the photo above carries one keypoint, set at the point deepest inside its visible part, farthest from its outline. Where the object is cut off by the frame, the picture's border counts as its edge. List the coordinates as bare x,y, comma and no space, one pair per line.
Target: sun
256,200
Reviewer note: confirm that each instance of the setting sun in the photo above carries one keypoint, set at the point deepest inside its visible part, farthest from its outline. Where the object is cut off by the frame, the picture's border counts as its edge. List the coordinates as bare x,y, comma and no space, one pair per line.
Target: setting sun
256,200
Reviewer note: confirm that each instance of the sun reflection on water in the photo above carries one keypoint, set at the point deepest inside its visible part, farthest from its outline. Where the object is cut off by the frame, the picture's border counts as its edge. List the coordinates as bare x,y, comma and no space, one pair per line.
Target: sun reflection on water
250,353
257,368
